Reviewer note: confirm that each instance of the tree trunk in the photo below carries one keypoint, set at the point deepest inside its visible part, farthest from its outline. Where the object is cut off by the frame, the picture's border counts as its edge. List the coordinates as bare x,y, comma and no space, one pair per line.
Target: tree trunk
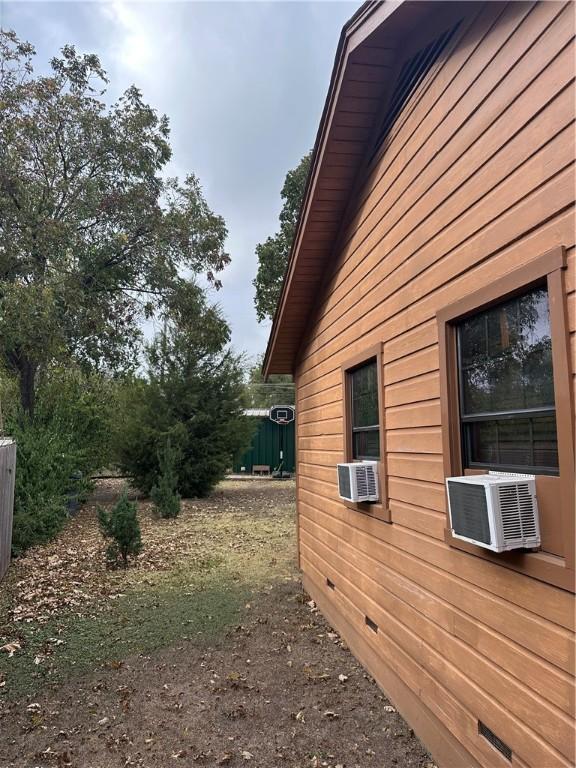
27,370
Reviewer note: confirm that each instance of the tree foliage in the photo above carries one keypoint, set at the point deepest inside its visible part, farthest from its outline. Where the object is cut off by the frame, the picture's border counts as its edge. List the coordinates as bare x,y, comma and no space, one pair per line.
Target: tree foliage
92,238
121,526
193,395
273,253
164,493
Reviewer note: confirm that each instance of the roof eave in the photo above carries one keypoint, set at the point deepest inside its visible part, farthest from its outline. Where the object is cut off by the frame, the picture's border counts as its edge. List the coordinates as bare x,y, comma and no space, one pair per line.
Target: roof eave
369,17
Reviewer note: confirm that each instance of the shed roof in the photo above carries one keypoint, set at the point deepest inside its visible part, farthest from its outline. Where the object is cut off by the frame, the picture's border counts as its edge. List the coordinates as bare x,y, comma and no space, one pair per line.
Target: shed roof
362,75
264,412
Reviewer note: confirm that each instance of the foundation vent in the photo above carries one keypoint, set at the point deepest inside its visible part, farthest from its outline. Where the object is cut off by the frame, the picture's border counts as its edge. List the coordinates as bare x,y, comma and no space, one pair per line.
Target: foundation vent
497,743
371,624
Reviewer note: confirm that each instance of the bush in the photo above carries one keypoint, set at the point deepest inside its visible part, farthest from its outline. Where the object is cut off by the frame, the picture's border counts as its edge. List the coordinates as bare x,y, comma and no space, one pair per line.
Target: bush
45,460
121,525
57,450
164,494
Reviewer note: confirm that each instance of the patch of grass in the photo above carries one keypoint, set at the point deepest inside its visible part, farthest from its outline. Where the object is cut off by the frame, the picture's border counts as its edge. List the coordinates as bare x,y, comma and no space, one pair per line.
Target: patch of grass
240,547
139,622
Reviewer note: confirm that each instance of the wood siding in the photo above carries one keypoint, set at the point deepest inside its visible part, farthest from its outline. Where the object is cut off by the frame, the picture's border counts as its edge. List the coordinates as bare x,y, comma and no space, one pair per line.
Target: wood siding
476,178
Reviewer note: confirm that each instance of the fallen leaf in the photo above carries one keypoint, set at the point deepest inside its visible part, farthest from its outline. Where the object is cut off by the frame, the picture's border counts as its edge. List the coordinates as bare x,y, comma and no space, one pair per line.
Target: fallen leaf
11,648
342,678
247,755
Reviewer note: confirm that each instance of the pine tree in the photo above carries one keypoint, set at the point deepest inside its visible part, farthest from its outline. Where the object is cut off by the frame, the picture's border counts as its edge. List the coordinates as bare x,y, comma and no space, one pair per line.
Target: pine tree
121,525
164,494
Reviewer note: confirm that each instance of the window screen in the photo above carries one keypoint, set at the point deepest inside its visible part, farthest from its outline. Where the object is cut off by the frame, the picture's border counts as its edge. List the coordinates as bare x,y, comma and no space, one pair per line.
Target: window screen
507,407
364,410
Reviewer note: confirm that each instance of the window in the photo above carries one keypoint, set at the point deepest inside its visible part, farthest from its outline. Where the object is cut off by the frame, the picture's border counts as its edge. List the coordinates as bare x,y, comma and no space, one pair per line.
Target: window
507,411
365,419
506,401
363,422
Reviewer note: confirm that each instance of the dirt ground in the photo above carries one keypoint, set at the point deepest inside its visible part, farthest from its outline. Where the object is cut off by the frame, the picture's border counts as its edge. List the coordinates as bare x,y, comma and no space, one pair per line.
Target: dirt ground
205,653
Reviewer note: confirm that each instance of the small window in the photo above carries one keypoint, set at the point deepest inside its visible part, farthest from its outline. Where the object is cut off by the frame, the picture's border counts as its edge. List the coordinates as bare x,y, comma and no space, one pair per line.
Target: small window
507,409
364,410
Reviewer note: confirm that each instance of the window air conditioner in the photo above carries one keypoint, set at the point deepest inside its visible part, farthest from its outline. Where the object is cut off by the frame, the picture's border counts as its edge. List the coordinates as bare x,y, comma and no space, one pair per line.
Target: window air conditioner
358,481
497,511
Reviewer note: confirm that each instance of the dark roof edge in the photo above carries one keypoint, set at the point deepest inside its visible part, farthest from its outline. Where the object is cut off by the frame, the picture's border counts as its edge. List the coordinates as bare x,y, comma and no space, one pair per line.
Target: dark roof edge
359,19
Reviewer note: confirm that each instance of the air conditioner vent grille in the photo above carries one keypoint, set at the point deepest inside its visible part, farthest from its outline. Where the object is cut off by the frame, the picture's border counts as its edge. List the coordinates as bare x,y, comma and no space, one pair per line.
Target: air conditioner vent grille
517,508
469,511
366,479
344,484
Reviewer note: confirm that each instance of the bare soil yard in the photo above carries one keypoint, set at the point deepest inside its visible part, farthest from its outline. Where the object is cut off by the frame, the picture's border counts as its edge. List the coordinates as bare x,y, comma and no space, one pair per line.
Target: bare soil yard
206,653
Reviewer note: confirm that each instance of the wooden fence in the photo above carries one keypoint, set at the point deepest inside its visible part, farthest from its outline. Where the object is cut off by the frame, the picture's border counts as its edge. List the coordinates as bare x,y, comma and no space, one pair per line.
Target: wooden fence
7,474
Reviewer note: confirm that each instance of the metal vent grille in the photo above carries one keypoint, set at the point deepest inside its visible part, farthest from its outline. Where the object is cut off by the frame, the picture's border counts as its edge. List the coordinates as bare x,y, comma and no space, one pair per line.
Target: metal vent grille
365,480
410,77
497,743
469,511
344,485
517,510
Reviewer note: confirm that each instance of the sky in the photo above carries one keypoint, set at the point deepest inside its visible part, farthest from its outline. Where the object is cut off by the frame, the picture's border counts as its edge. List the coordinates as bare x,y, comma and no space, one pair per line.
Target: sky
243,84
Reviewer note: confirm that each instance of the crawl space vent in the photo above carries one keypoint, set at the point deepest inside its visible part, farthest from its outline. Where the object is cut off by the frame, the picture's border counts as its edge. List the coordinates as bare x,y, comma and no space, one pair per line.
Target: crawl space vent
497,743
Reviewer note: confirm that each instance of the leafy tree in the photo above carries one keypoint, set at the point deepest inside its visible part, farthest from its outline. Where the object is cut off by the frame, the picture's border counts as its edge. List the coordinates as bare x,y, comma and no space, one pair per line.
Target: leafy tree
122,527
273,253
192,394
164,493
278,390
92,238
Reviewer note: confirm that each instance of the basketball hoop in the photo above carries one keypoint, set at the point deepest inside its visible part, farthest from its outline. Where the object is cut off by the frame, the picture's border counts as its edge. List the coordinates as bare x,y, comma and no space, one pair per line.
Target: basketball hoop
282,414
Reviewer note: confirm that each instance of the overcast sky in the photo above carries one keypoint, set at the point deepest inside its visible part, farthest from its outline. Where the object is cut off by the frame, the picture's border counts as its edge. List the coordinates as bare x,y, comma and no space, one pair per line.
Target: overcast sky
243,84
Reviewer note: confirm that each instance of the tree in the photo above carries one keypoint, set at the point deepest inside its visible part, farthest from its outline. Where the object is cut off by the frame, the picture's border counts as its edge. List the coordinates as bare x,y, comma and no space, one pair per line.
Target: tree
92,238
273,253
122,527
278,390
193,394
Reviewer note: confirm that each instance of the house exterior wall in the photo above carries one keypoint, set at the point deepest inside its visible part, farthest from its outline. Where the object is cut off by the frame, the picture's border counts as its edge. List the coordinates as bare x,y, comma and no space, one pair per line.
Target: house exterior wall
476,181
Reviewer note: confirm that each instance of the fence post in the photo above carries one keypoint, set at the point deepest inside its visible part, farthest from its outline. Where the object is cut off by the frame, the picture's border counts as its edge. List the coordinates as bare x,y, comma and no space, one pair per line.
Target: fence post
7,476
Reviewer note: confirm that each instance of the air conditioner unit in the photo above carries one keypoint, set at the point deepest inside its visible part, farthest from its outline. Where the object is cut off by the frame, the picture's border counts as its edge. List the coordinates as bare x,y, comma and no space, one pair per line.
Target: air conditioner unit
497,511
358,481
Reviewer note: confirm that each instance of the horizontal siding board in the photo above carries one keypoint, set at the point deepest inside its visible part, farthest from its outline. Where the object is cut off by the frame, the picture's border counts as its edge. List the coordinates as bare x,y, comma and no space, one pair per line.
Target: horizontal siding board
546,602
437,571
550,204
429,163
435,257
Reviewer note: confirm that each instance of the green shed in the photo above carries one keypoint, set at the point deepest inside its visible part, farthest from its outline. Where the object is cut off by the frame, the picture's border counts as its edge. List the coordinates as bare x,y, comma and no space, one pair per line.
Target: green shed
268,440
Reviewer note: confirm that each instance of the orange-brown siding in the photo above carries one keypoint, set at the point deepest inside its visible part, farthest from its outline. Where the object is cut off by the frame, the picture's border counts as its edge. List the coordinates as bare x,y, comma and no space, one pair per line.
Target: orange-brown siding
476,179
